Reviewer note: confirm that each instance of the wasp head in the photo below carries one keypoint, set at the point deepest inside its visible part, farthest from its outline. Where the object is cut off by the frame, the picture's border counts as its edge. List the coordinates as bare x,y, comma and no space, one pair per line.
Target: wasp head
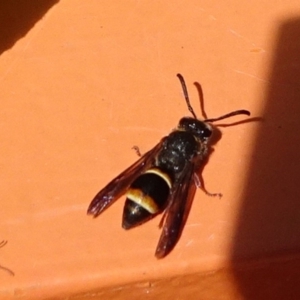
200,130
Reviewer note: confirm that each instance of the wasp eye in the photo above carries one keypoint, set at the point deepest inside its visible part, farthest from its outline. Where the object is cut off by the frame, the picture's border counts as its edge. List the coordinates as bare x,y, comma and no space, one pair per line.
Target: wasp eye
206,132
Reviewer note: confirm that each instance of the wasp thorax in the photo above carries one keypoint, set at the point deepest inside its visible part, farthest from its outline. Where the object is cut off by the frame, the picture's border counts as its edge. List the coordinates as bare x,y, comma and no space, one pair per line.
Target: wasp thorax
199,129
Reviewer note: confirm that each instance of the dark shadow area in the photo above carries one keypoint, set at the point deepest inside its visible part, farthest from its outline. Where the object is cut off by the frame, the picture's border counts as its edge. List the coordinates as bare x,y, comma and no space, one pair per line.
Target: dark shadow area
266,249
17,17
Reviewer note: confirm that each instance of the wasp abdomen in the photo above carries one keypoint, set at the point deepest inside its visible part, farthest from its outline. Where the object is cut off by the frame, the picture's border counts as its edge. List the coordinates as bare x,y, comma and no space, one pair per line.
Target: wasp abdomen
146,197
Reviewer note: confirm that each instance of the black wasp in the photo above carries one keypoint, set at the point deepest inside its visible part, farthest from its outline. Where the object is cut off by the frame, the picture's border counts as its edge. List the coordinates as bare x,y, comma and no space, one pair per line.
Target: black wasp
163,179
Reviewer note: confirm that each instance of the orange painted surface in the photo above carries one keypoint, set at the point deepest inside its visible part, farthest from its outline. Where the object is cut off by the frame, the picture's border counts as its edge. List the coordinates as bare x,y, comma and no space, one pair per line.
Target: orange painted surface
87,80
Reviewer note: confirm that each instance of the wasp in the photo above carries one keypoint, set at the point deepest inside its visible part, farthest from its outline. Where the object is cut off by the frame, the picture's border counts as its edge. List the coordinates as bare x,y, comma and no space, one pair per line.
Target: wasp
164,179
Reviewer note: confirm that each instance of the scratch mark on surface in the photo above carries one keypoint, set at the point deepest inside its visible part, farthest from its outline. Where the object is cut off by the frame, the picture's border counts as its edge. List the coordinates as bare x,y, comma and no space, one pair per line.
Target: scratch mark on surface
236,34
211,237
240,36
247,41
193,225
189,243
250,75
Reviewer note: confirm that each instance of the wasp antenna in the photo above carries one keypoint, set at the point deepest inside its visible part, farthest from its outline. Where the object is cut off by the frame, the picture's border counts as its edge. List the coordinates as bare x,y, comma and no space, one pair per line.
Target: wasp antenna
186,96
231,114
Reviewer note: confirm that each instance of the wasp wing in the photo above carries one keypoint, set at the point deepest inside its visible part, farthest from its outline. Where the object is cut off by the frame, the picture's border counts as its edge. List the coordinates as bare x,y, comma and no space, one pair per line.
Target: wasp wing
177,212
111,192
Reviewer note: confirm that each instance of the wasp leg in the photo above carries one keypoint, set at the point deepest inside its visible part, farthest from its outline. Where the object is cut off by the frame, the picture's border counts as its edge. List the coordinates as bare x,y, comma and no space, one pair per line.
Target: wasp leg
199,184
10,272
137,150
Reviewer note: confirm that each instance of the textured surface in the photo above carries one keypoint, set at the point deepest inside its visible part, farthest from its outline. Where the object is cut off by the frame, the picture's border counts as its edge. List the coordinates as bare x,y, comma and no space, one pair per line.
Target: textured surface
87,81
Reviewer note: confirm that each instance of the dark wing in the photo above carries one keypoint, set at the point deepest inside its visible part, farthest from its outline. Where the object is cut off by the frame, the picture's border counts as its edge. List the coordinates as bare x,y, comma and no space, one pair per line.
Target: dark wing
110,193
180,203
